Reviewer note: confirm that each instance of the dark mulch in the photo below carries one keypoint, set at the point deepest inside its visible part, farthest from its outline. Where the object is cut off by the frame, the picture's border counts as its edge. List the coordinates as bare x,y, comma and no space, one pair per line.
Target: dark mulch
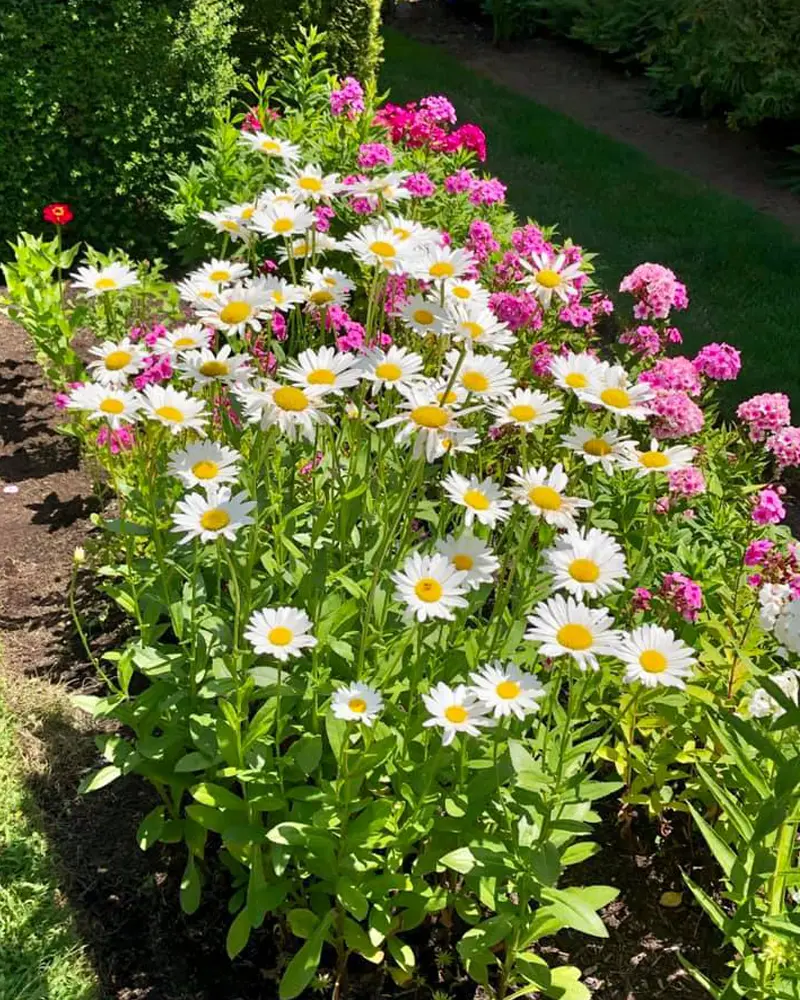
125,900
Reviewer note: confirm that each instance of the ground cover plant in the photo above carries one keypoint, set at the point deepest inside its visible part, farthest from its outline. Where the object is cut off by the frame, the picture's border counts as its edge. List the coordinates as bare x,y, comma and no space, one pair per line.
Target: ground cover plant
424,556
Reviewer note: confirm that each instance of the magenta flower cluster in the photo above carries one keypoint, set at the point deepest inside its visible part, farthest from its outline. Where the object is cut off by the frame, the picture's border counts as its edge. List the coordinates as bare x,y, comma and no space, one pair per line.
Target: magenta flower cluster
427,125
765,414
348,100
648,341
676,415
374,154
678,374
768,507
656,289
719,362
682,594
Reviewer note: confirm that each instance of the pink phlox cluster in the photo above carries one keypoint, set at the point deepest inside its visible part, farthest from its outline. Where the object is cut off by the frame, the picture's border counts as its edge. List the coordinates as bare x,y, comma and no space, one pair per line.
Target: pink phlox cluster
541,358
768,507
487,191
323,215
656,290
682,594
347,100
439,109
642,599
529,240
396,294
765,414
720,362
688,482
313,463
427,125
374,154
223,407
480,241
519,311
279,329
121,439
676,415
673,373
419,185
61,399
775,565
350,335
459,182
157,368
785,446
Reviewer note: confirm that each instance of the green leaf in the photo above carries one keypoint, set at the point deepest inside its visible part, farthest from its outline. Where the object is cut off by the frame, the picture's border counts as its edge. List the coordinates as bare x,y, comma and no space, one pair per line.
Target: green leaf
302,922
357,939
94,782
351,898
238,934
460,860
193,761
721,851
150,828
566,984
571,906
729,803
306,753
336,731
300,971
402,954
190,887
208,794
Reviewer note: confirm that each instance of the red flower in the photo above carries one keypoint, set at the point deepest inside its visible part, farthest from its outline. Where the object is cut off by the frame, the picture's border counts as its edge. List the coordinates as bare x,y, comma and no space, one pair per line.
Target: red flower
58,213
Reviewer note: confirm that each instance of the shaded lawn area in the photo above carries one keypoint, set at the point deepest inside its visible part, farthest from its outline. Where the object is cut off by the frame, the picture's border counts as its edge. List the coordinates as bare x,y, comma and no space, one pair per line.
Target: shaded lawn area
742,268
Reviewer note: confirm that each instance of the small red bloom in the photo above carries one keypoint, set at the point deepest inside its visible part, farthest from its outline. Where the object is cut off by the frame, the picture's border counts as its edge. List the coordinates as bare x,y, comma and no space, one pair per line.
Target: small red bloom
58,213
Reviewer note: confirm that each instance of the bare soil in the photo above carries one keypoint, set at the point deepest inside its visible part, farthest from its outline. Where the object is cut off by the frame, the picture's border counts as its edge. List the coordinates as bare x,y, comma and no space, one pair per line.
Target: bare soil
125,901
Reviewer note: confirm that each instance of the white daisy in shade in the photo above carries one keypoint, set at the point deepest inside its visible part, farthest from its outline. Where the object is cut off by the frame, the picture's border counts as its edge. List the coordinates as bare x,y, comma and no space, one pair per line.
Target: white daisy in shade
226,222
204,463
657,458
279,293
423,316
275,196
566,627
395,368
308,183
471,556
461,440
464,291
605,448
587,562
447,394
576,371
424,421
377,246
477,326
357,703
198,293
284,219
385,186
326,368
116,363
95,281
482,499
412,233
191,337
280,632
326,286
212,515
526,409
654,656
105,402
174,408
483,375
442,264
455,710
219,272
294,410
612,390
243,212
236,308
207,367
505,690
551,275
270,145
542,491
318,244
430,587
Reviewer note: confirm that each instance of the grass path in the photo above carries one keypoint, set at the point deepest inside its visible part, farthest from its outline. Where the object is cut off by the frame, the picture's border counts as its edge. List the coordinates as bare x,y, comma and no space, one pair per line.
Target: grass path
742,267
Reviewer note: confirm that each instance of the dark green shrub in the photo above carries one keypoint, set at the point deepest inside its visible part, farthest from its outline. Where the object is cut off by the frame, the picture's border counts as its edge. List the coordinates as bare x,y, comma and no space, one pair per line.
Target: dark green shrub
99,100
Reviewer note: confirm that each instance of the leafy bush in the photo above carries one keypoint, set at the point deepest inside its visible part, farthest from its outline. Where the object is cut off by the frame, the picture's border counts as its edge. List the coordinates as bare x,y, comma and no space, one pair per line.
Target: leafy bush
378,671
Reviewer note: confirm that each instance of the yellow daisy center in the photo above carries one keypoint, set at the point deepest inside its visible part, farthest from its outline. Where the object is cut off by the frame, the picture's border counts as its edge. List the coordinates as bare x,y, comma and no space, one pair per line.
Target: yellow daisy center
388,371
230,225
206,294
290,398
277,296
597,447
248,213
400,232
545,497
310,184
117,360
205,469
456,714
474,330
548,278
321,376
184,342
463,562
357,705
447,397
282,225
475,381
382,249
616,397
429,590
235,312
104,284
213,369
280,635
270,146
330,282
219,275
574,636
430,416
321,297
576,380
477,500
584,570
653,459
522,413
441,269
423,316
112,406
508,690
215,519
460,292
653,662
170,413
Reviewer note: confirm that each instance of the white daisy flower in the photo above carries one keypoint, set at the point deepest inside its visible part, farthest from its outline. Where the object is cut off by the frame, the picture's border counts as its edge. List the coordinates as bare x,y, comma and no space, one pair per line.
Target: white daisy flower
116,363
466,292
95,281
198,293
395,368
190,337
227,222
326,286
219,272
318,244
280,632
385,186
236,308
104,402
279,293
423,316
412,233
587,562
566,627
471,556
612,390
455,710
505,690
482,498
424,420
330,370
212,515
295,411
430,587
603,447
576,371
653,656
275,196
551,275
174,408
526,409
442,264
657,458
308,183
243,212
483,375
357,703
204,463
542,491
281,220
206,367
377,246
271,146
461,440
476,326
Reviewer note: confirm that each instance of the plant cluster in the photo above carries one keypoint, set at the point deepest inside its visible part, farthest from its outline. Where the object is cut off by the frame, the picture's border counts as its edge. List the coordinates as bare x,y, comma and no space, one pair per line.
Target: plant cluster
420,565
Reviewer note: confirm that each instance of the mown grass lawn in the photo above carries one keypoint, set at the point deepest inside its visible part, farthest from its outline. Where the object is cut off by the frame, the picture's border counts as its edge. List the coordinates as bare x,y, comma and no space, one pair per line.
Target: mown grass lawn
742,267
